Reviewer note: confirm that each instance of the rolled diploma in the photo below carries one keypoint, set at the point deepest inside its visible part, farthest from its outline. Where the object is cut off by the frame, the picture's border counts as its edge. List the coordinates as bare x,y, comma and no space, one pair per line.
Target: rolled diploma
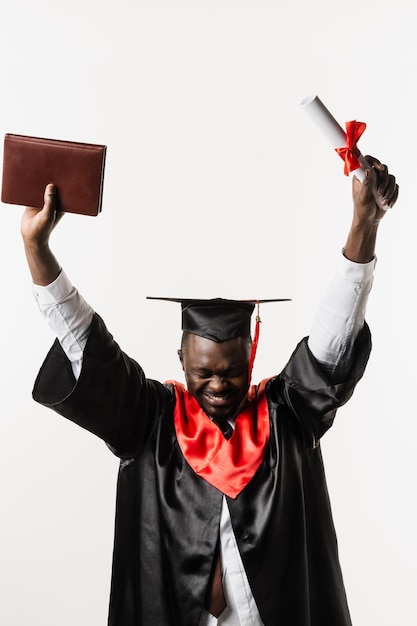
334,133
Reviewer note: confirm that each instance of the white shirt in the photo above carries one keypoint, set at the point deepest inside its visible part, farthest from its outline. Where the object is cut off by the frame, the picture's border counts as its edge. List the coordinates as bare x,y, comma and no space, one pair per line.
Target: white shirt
338,321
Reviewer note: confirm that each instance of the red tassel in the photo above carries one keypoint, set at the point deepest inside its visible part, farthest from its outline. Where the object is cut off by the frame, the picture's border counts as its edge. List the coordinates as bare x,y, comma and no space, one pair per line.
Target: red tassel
254,344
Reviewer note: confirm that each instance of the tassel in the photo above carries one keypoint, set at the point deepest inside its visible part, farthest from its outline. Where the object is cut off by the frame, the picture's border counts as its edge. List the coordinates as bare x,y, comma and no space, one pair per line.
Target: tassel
254,344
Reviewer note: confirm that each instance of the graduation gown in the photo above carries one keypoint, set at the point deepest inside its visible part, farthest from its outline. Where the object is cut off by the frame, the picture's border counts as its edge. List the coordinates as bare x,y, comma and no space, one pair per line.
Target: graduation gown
167,517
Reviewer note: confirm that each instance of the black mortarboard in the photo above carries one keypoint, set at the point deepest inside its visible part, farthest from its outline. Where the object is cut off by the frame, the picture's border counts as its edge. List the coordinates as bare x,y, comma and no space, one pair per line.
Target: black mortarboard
217,319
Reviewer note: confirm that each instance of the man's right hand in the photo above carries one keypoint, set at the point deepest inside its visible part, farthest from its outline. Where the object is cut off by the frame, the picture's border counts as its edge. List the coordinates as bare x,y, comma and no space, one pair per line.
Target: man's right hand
36,228
37,224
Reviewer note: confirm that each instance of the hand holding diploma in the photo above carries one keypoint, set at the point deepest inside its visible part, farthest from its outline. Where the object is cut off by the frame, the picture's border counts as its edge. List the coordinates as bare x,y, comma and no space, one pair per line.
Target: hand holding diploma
345,144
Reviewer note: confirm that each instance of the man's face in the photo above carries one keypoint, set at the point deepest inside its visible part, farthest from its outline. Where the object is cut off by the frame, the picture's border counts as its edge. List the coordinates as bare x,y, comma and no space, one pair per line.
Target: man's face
216,373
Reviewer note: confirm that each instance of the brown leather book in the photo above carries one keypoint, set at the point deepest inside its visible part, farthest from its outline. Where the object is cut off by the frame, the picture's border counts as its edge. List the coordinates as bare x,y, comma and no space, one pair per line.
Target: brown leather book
77,169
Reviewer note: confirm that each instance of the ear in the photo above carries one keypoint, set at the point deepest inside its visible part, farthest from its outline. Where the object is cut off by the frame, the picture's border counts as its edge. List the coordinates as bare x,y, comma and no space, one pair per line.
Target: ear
179,352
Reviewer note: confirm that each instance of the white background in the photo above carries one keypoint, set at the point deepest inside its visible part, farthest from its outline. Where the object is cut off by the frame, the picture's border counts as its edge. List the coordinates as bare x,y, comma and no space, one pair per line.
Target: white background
217,184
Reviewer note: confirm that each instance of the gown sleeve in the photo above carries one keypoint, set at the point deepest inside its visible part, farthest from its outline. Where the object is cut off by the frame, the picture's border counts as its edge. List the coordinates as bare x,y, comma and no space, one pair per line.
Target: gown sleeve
112,398
323,371
313,392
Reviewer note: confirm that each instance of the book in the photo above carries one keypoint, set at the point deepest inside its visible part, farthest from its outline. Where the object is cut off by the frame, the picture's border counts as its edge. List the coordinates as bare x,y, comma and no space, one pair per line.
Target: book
77,170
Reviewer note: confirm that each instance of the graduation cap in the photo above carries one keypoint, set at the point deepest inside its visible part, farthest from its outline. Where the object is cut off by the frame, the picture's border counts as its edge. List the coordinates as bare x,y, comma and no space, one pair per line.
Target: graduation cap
220,319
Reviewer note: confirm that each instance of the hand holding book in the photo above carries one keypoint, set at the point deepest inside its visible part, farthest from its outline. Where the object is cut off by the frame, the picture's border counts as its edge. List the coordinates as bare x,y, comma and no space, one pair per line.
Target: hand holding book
76,169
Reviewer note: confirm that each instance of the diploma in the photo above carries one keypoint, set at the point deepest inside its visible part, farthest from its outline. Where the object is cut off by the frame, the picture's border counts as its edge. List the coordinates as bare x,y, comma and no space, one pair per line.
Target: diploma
344,142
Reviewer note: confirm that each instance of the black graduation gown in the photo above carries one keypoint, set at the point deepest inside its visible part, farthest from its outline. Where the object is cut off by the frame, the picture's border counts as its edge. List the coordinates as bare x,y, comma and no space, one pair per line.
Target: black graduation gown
167,518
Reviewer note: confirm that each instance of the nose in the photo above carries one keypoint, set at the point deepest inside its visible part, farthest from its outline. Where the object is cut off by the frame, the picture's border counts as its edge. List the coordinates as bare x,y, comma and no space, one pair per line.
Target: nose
218,384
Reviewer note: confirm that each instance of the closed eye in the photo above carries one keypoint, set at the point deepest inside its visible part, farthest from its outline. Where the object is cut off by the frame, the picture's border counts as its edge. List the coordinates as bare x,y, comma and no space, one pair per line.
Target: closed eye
232,373
202,373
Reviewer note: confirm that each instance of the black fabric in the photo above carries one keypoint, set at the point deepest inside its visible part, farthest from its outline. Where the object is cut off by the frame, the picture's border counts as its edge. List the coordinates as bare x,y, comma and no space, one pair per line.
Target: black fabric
217,319
167,518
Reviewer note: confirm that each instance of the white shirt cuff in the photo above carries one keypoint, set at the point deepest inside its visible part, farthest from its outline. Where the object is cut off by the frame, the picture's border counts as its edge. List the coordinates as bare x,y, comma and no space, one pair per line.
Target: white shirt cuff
55,292
357,272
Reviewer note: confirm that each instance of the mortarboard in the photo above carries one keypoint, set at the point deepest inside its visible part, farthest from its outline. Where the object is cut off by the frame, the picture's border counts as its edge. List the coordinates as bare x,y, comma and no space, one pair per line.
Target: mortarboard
220,319
217,319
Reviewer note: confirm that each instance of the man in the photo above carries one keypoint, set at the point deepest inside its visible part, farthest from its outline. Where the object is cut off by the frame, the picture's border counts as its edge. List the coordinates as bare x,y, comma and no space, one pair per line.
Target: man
223,515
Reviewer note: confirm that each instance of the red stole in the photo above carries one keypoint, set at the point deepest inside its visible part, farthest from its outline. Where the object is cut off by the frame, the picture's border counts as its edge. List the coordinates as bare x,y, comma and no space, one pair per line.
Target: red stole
227,464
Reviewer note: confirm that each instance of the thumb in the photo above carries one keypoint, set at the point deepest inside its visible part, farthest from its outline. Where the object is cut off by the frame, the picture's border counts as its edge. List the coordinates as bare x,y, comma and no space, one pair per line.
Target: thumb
51,212
364,189
50,198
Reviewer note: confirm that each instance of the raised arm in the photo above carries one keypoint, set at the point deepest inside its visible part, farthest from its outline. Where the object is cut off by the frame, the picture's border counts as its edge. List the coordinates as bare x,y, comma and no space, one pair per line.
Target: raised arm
341,314
65,310
36,228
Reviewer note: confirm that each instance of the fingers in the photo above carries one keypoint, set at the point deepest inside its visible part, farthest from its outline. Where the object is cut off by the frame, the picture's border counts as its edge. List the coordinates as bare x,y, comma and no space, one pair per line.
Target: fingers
373,162
390,191
384,182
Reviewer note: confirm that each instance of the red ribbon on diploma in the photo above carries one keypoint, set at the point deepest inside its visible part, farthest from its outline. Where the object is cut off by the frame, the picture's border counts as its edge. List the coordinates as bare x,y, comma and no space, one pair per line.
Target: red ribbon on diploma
350,153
